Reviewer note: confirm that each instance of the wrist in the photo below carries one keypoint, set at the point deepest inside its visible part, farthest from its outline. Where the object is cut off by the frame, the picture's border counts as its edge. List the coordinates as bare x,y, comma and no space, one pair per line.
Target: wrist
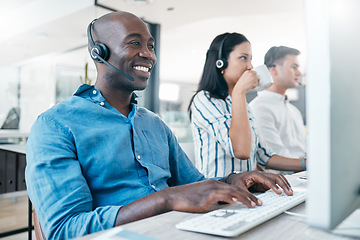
238,94
167,200
303,163
227,179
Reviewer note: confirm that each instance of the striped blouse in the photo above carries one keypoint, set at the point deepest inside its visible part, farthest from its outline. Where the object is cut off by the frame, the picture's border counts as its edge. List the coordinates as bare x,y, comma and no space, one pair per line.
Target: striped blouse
214,155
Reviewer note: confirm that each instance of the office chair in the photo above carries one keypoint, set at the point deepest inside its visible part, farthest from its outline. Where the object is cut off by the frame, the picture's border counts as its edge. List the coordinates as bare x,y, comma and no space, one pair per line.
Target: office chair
38,231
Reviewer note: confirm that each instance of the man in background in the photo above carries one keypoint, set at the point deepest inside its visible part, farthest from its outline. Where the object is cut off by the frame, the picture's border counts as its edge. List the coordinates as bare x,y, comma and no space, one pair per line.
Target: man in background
279,123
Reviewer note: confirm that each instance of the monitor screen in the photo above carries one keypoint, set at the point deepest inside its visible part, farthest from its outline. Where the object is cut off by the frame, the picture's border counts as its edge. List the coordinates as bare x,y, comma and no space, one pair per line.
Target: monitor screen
12,120
333,112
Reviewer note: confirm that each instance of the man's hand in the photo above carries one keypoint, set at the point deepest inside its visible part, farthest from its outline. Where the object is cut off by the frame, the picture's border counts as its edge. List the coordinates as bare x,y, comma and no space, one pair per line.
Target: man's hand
261,181
203,196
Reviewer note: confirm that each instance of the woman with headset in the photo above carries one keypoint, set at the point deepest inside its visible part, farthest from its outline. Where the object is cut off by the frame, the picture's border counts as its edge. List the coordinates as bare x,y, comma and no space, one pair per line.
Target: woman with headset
222,124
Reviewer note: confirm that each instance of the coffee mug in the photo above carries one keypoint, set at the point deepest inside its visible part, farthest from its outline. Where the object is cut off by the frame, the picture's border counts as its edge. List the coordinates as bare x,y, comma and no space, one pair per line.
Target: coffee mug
265,77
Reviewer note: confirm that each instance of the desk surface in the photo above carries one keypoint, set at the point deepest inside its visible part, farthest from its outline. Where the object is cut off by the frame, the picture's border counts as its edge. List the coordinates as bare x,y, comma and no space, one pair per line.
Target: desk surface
17,148
13,136
283,226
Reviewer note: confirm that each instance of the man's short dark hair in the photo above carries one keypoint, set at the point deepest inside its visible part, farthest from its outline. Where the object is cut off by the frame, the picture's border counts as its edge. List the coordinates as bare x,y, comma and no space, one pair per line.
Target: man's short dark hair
278,54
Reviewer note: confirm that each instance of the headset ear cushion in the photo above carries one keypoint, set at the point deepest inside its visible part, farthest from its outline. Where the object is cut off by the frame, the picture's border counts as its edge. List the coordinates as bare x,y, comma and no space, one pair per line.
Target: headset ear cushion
101,50
225,64
105,54
221,64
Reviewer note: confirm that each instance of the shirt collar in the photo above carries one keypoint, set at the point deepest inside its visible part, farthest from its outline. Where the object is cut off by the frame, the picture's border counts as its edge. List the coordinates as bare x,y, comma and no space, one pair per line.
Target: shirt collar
273,95
95,94
90,93
134,98
82,89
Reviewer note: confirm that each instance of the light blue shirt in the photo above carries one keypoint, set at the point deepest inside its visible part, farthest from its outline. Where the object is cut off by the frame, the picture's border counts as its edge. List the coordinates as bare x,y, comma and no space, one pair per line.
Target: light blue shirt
214,155
85,160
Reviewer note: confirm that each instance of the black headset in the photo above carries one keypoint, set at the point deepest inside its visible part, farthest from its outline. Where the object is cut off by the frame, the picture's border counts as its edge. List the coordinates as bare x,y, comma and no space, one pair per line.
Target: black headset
272,54
271,64
100,52
221,63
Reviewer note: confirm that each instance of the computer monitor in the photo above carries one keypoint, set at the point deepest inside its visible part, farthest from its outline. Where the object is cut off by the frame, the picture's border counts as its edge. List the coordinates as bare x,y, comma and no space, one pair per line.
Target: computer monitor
333,113
300,101
12,120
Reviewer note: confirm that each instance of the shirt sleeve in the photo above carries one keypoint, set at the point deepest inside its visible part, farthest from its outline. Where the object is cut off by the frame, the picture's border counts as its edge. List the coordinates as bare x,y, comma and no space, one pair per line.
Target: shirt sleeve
262,151
57,187
182,169
210,114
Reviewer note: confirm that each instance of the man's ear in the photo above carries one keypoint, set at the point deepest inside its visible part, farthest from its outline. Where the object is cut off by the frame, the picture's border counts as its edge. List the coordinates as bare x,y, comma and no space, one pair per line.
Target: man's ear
273,71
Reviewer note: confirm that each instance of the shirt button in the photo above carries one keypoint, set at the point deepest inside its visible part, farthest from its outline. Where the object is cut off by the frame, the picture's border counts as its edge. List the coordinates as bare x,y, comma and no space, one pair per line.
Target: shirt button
138,157
94,92
153,186
102,103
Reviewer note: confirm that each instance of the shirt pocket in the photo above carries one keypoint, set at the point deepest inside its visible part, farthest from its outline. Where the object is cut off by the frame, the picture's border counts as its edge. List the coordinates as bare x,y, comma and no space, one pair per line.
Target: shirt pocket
158,147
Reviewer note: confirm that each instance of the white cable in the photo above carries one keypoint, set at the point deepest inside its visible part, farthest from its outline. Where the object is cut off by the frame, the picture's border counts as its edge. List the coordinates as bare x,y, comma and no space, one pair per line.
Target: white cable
345,223
295,214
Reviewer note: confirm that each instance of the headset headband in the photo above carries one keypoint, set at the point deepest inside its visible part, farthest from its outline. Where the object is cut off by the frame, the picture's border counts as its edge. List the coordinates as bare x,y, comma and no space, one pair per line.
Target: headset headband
221,47
91,41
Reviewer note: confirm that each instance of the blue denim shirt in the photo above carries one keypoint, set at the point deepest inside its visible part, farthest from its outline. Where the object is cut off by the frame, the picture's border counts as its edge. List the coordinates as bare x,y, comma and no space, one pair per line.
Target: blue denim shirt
85,160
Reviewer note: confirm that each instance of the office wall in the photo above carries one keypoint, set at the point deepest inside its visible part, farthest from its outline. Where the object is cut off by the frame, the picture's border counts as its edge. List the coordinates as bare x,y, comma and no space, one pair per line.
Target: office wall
37,91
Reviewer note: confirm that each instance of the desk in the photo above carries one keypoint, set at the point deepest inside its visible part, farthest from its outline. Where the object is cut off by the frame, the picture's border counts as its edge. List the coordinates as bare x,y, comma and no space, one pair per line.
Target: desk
12,178
14,135
12,167
283,226
17,148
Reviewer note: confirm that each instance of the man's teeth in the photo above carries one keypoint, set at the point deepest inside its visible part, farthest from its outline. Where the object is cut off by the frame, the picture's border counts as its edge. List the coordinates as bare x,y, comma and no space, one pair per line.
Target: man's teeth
141,68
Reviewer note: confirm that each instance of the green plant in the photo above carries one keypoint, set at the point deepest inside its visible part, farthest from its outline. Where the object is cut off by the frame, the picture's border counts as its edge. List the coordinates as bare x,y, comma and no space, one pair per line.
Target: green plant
86,79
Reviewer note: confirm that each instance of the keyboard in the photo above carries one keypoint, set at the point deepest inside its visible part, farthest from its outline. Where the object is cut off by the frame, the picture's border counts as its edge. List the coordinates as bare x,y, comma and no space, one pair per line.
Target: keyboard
237,218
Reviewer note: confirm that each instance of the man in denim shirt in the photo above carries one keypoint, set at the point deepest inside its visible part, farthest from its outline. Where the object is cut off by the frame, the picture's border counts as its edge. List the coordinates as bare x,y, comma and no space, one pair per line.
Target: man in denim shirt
97,160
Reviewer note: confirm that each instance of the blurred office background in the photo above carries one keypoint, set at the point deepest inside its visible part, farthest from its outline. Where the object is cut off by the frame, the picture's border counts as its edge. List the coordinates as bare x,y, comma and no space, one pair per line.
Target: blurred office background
44,49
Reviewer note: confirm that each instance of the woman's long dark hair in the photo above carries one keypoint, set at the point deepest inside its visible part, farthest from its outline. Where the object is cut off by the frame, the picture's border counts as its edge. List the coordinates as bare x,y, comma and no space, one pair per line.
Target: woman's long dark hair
212,79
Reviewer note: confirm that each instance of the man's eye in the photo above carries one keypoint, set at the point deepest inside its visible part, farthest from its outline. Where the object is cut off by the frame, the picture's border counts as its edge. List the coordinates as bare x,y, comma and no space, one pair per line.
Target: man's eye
152,47
135,43
243,58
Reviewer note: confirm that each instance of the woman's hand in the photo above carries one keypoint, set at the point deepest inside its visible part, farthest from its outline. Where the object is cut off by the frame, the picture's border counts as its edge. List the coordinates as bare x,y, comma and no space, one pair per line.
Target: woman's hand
247,81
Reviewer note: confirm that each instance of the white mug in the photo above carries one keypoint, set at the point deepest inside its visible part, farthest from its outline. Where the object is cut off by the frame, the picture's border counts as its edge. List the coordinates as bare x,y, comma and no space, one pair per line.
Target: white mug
265,77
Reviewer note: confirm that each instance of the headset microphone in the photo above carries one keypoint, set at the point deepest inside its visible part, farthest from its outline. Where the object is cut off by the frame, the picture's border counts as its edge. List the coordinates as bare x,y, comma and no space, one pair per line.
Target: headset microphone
113,67
100,52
